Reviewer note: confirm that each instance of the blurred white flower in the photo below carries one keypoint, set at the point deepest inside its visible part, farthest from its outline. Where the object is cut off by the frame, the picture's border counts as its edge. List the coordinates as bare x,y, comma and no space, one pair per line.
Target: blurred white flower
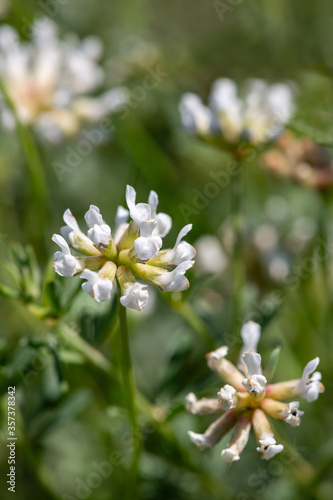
135,252
48,81
266,237
210,257
258,117
278,268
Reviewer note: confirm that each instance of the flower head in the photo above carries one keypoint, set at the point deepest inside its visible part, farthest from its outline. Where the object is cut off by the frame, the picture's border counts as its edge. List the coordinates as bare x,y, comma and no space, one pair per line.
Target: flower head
247,402
133,253
49,81
258,117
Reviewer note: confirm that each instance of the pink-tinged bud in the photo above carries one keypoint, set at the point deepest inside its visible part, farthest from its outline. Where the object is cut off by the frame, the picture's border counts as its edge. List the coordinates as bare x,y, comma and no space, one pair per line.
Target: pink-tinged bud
215,431
282,390
202,406
224,368
239,439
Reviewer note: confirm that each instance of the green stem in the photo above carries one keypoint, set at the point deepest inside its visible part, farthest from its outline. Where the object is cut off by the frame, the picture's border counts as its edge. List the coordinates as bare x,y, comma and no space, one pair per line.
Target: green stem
128,389
238,270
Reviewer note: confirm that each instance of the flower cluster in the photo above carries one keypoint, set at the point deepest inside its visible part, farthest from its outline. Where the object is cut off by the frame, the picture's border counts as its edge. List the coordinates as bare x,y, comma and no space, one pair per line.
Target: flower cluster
258,117
47,81
134,251
301,160
247,399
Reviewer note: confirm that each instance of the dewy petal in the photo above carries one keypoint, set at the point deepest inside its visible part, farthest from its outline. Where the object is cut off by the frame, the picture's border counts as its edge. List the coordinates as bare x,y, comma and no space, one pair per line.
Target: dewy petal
310,388
135,296
196,118
255,381
140,212
100,234
93,217
99,289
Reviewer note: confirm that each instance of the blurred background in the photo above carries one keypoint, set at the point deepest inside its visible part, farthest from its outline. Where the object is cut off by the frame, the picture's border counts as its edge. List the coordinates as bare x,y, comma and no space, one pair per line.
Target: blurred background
70,416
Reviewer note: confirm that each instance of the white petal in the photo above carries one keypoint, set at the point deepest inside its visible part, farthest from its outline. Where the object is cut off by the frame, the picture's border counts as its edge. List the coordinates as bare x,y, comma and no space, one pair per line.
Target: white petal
122,216
230,455
147,228
280,99
226,397
196,118
182,251
255,381
135,296
70,220
147,247
153,202
199,440
250,333
100,235
140,212
102,290
269,448
164,224
93,216
65,264
310,388
171,281
59,240
253,362
293,417
179,284
97,288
